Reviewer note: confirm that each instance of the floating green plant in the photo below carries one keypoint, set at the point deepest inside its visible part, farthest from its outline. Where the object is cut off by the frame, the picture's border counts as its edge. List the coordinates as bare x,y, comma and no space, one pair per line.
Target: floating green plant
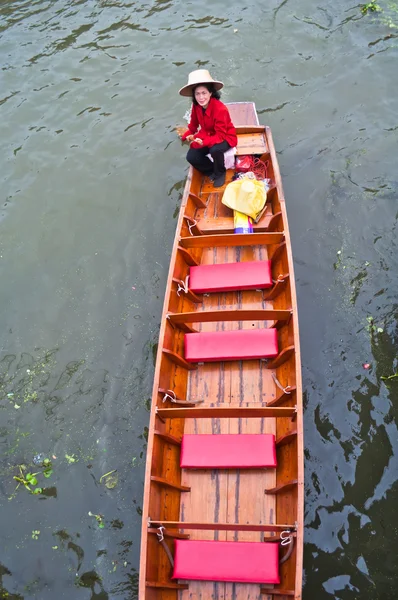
110,480
98,518
389,377
370,7
371,327
29,480
337,264
71,458
387,12
47,471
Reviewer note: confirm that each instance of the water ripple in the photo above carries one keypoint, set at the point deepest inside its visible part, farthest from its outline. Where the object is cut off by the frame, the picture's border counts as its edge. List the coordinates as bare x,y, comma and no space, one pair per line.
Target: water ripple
87,223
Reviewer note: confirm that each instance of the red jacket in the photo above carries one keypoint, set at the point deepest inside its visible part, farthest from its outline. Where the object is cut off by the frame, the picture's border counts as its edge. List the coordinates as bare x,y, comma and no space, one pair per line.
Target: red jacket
215,125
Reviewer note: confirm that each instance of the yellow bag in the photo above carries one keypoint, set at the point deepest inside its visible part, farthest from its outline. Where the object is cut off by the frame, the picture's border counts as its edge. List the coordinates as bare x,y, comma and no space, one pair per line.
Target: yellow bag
247,196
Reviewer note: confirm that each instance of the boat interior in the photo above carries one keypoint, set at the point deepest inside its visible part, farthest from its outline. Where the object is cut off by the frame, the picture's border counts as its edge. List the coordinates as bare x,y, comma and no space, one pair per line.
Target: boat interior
220,387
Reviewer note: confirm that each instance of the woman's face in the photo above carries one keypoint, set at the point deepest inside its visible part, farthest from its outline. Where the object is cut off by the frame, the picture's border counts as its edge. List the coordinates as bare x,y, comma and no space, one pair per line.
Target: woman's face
202,96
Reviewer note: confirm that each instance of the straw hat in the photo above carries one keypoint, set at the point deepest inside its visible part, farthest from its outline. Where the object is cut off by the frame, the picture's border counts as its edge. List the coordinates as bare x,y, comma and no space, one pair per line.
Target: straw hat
198,77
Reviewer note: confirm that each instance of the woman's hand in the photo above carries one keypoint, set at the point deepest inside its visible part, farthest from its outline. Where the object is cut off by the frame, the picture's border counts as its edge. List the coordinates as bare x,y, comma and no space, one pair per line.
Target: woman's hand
189,138
197,140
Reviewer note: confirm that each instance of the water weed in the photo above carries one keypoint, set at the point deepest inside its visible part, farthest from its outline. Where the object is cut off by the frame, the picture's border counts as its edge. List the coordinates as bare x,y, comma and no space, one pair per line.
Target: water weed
371,327
110,480
370,7
389,377
71,458
386,11
30,480
98,518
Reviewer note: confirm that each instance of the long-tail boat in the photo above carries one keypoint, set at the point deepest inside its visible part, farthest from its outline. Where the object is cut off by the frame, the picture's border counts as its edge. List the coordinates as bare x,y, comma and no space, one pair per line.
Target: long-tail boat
223,499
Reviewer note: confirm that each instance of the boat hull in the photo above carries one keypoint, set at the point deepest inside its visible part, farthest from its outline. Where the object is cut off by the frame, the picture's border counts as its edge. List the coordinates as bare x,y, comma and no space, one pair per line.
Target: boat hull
247,396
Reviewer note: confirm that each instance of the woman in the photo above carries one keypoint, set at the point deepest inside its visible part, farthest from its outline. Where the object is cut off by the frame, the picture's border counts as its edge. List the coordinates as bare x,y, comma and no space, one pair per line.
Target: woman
210,130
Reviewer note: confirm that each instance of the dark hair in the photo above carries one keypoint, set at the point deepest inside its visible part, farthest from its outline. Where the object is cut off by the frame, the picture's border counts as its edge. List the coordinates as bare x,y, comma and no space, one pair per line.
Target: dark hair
210,86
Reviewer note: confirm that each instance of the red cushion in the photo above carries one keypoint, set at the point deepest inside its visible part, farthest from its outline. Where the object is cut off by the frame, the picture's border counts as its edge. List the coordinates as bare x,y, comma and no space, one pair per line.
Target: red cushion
228,451
232,276
250,562
211,346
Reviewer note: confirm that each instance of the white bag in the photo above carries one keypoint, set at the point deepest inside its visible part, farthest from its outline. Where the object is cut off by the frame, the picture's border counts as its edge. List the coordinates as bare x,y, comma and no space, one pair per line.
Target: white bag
229,158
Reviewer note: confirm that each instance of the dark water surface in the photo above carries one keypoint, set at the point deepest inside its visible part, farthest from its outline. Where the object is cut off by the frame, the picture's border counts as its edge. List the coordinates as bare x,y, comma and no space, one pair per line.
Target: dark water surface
91,178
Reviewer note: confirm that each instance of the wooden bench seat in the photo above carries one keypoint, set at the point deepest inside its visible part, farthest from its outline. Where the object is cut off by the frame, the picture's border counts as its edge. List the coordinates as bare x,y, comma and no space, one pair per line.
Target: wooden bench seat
228,277
227,451
242,344
208,560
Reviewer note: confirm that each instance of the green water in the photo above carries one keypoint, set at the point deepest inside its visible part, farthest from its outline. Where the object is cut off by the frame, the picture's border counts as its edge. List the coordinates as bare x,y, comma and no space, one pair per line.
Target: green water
91,179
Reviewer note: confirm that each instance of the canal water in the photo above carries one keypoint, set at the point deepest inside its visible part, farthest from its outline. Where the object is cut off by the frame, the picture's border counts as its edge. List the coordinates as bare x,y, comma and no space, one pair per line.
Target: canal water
91,180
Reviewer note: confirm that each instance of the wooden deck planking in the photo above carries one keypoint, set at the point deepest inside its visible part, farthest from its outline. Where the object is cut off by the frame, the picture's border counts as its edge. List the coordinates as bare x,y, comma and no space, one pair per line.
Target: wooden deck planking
235,382
251,143
212,226
209,488
243,113
209,193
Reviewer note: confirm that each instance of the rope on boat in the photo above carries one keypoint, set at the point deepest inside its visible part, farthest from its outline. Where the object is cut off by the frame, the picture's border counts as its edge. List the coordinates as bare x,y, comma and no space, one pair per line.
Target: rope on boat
191,223
258,167
287,539
170,395
286,389
279,278
161,539
183,286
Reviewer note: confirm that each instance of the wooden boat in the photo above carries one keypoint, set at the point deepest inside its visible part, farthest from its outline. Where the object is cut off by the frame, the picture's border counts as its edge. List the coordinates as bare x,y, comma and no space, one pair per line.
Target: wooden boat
215,516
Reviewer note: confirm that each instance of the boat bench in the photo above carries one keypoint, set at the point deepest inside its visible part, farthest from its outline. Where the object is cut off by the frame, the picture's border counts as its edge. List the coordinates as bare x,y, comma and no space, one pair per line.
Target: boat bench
241,562
213,346
253,275
227,451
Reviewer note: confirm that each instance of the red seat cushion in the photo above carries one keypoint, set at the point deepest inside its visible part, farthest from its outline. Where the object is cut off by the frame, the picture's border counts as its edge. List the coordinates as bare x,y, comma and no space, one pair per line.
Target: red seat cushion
249,562
232,276
212,346
228,451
